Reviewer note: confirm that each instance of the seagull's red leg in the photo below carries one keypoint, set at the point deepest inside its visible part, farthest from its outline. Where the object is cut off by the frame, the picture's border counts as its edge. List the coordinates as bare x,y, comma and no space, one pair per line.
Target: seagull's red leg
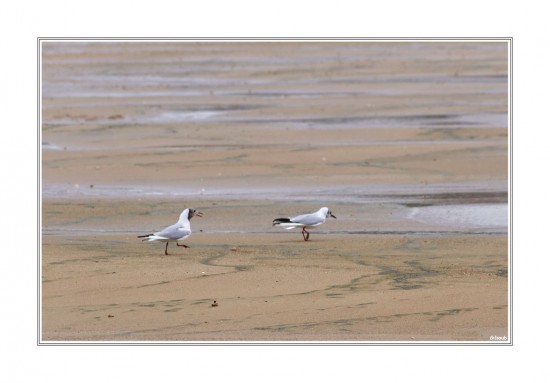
184,245
166,249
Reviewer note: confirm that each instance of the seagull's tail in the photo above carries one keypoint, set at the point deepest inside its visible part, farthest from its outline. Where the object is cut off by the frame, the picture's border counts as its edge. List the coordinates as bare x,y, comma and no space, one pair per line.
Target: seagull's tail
280,221
286,223
148,237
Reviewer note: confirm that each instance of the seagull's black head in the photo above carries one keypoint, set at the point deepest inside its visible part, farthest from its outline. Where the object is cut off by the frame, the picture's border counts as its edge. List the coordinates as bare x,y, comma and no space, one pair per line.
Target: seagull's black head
325,210
193,212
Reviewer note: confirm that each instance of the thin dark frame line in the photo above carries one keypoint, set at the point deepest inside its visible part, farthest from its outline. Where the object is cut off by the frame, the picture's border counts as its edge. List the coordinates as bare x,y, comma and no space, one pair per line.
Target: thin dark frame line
282,39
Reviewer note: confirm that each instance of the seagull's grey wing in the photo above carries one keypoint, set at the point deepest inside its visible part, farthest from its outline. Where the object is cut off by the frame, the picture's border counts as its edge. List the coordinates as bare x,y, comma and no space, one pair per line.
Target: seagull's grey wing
174,232
306,219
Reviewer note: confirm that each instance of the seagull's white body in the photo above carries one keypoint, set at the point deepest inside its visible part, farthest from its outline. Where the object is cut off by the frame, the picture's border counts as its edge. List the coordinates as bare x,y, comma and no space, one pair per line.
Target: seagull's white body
305,221
176,232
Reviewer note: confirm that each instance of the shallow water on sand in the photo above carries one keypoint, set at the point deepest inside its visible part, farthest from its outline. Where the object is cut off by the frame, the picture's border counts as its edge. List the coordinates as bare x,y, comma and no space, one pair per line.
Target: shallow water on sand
418,131
478,216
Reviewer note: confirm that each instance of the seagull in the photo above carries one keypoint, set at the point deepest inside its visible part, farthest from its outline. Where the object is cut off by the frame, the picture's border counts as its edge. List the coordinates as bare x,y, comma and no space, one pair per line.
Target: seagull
305,221
176,232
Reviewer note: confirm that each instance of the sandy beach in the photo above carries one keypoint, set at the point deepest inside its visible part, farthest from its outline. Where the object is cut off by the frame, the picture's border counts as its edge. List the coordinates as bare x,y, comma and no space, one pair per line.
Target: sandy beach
407,143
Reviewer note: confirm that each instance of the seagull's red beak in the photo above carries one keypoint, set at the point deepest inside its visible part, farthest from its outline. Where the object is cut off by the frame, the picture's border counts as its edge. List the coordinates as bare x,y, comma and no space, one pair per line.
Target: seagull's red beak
198,214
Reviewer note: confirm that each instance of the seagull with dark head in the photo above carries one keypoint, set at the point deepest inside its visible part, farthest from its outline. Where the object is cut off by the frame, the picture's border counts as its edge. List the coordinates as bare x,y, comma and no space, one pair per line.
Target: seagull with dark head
176,232
305,221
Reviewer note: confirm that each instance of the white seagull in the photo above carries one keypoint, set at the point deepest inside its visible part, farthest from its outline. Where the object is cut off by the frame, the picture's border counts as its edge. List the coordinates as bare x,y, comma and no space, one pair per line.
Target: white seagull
305,221
176,232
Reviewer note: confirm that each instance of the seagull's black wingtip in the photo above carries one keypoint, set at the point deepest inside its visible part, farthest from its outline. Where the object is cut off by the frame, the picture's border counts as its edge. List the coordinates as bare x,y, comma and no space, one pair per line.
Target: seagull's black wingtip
277,221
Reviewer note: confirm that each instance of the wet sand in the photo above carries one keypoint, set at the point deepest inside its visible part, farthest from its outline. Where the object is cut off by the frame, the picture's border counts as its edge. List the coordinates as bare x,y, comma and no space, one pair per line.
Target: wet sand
270,285
406,143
